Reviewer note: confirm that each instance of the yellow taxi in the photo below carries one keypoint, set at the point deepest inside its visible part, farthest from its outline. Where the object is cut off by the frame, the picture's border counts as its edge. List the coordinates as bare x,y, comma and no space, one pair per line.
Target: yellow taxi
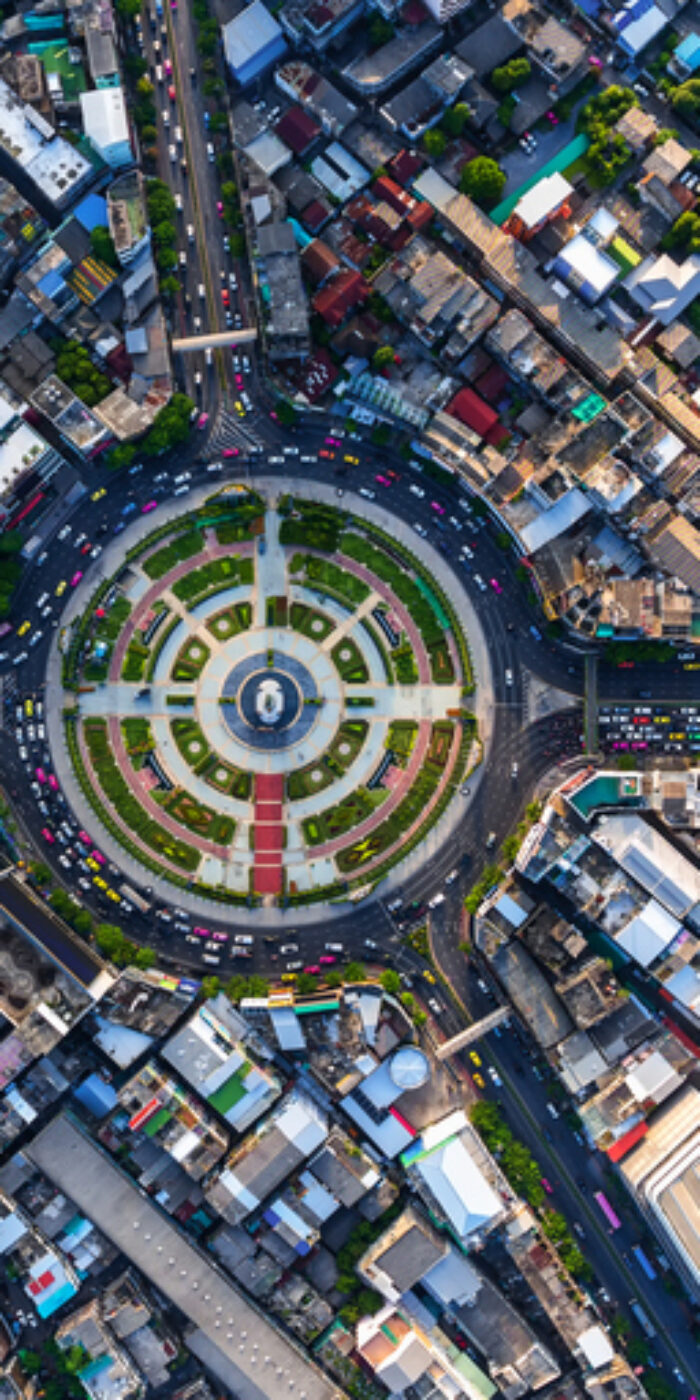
354,461
112,894
289,977
239,408
92,864
429,976
60,590
474,1058
23,628
692,666
99,493
101,884
478,1080
29,707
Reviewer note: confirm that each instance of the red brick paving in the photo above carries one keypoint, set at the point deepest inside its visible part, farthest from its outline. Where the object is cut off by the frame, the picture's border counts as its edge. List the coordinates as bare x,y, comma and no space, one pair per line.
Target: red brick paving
268,834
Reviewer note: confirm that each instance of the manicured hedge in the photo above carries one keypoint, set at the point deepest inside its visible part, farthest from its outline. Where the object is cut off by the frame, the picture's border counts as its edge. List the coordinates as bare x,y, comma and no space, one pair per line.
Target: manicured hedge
212,576
129,808
349,662
310,622
356,547
326,574
336,820
174,553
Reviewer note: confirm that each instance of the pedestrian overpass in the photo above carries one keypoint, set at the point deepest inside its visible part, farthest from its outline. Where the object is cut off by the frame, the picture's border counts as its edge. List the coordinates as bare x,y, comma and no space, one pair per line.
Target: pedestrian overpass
215,340
473,1032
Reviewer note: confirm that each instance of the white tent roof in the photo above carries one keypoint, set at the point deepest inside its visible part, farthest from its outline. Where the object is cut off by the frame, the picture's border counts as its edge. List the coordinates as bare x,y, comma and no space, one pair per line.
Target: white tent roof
459,1187
648,933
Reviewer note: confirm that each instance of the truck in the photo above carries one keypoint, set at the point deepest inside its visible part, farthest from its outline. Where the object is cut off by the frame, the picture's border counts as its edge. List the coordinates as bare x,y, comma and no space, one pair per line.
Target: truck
644,1263
132,897
638,1312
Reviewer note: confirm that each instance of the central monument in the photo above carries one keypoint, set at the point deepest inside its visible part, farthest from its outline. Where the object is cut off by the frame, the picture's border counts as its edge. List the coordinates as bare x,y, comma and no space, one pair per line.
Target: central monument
269,701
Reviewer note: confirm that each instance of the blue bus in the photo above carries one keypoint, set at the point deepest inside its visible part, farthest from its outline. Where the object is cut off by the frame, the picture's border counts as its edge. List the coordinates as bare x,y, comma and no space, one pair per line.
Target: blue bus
643,1262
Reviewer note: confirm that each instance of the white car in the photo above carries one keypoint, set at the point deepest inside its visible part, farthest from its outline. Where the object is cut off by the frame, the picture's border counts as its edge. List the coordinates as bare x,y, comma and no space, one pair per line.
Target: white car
416,490
494,1076
509,676
480,583
367,493
420,529
453,875
436,900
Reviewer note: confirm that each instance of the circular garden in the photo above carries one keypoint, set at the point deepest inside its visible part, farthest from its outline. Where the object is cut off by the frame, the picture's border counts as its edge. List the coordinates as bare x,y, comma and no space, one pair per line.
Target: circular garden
268,702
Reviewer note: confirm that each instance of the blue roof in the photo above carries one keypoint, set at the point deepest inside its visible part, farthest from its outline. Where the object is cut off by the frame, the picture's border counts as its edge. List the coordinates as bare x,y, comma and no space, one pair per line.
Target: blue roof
51,283
92,212
96,1096
628,16
51,1305
689,51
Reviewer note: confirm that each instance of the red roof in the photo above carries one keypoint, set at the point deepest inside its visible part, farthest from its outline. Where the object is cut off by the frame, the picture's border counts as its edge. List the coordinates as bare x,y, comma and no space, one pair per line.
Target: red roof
473,412
298,130
339,296
405,166
316,375
628,1140
492,383
315,215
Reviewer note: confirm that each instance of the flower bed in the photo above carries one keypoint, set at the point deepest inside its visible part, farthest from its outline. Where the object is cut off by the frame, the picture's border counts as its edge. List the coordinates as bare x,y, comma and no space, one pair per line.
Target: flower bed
349,662
128,807
310,622
183,547
190,660
212,576
230,621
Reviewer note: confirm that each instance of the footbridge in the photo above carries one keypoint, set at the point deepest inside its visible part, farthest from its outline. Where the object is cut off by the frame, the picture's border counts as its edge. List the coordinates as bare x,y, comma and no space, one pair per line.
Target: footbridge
473,1032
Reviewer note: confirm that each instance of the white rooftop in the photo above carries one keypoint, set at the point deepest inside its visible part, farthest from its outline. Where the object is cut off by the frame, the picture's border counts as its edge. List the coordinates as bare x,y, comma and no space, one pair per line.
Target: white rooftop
652,860
248,33
459,1187
104,116
654,1078
648,933
546,526
589,263
596,1347
542,200
685,987
53,164
20,451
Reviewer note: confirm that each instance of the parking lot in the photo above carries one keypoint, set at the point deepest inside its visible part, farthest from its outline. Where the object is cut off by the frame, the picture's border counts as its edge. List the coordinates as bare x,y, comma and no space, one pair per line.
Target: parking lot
654,728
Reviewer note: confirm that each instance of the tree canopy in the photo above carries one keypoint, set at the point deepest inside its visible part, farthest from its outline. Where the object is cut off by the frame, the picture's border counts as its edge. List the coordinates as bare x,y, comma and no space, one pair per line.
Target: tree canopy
511,75
483,180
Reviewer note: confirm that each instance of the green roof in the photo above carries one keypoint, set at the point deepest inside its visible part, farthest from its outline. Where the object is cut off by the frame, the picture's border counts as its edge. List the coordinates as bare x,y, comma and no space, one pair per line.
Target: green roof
231,1091
55,58
621,253
158,1121
589,408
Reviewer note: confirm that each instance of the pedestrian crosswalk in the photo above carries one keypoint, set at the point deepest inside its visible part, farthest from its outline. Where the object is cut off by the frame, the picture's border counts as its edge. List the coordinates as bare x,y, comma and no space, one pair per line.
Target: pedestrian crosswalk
231,431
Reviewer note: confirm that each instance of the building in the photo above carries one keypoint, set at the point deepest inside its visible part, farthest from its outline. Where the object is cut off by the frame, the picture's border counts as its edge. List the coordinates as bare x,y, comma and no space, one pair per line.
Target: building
445,10
189,1281
265,1159
664,289
209,1053
316,95
637,23
106,125
46,169
457,1180
661,1172
127,220
340,295
284,300
407,1250
27,462
686,57
253,41
370,75
307,22
547,200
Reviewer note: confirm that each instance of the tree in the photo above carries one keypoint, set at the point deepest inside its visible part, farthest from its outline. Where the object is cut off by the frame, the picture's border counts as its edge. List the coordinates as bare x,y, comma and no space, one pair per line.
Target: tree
455,119
108,937
383,355
355,972
236,988
166,259
165,234
511,75
435,143
390,981
420,1017
306,983
144,87
334,978
218,122
685,99
82,922
103,245
601,112
128,9
40,873
483,180
121,456
170,426
286,413
144,959
169,286
211,986
31,1362
258,986
369,1301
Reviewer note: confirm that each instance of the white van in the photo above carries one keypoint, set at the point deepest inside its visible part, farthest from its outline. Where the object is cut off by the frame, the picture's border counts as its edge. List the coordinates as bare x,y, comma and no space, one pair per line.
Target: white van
159,73
210,153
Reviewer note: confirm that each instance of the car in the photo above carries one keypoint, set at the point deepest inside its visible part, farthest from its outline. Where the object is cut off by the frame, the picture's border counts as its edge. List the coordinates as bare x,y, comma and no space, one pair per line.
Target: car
475,1059
150,505
479,1080
99,493
53,782
436,900
383,480
552,1110
578,1227
480,583
509,676
48,835
313,969
65,532
19,658
225,296
495,1077
428,975
323,452
496,586
547,1185
466,552
85,549
552,117
514,770
23,629
490,841
172,93
35,639
230,452
326,959
420,529
355,462
453,875
76,578
439,510
367,493
416,490
435,1006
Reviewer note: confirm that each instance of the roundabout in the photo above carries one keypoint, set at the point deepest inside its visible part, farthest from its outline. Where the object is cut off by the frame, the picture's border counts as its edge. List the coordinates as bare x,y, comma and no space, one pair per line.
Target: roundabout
270,706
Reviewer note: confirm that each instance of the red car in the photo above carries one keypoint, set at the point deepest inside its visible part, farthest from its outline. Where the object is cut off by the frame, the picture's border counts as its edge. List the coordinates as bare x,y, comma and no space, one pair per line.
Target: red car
230,452
547,1186
53,783
48,836
76,578
325,453
225,296
171,93
86,547
495,585
313,968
